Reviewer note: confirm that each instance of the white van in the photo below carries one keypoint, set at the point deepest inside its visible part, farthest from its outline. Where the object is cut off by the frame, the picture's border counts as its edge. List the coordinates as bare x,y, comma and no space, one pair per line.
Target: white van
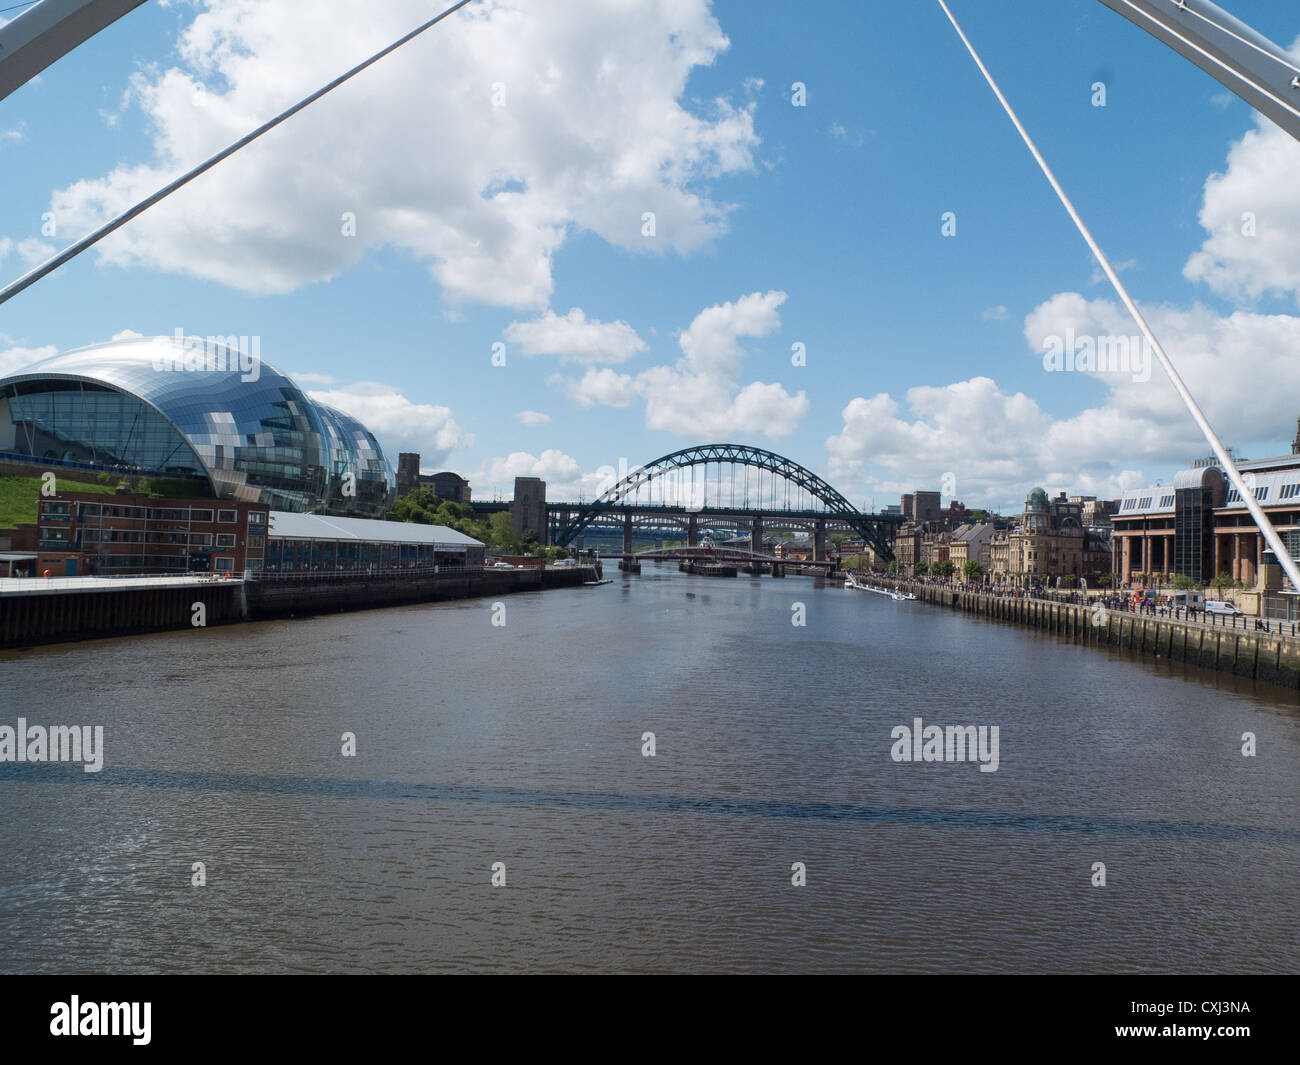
1219,606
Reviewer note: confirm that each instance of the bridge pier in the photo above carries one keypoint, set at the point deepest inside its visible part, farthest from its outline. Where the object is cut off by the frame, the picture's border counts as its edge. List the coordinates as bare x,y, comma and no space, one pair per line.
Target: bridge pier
693,531
627,535
756,536
819,540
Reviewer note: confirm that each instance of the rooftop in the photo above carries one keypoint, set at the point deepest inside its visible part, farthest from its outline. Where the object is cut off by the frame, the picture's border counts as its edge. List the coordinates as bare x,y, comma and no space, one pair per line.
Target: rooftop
286,525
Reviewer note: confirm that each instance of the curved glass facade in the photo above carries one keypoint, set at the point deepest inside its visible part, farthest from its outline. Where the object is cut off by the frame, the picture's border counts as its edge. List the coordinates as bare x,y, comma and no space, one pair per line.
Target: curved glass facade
361,480
186,406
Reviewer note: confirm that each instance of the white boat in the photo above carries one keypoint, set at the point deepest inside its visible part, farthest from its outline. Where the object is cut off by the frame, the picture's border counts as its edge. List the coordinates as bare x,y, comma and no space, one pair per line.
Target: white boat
897,596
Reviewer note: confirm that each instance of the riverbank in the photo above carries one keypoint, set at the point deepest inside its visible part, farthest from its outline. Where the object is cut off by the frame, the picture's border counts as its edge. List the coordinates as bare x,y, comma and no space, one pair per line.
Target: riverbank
1270,657
36,611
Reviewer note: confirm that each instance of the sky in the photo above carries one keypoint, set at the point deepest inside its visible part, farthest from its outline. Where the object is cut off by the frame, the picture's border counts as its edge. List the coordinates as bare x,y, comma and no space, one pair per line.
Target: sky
559,239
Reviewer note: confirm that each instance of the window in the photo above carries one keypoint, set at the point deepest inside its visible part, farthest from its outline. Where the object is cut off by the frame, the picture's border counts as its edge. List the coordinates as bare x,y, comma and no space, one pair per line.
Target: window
1261,492
225,565
1233,497
200,539
1289,491
200,515
226,517
225,539
257,517
1167,501
256,541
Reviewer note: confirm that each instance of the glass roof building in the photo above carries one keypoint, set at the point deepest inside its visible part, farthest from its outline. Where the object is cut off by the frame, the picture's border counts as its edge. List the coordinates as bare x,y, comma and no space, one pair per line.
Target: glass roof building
194,407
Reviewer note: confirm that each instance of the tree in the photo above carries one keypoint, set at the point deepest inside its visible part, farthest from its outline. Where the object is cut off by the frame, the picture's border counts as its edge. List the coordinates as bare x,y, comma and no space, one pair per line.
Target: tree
944,568
1105,580
1219,582
1181,582
972,570
501,534
893,566
922,568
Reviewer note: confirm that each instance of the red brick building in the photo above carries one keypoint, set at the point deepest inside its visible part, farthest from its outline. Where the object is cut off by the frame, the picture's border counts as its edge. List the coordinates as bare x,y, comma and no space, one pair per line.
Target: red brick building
88,534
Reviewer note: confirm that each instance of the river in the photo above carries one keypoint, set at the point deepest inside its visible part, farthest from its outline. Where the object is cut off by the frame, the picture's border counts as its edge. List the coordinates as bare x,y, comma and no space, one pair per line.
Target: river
514,751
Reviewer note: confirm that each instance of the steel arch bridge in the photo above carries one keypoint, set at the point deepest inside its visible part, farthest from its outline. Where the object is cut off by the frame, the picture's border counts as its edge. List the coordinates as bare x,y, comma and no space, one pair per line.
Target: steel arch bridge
875,529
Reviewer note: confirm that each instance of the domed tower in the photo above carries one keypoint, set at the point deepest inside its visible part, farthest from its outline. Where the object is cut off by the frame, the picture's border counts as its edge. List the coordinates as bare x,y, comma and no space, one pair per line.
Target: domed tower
1036,511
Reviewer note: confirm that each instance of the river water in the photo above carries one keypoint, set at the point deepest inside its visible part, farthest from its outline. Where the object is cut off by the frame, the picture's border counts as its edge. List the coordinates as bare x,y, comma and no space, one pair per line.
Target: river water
522,744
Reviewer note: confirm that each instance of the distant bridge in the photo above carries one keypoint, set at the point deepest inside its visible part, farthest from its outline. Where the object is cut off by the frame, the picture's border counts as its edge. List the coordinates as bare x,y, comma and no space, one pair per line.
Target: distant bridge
710,553
751,487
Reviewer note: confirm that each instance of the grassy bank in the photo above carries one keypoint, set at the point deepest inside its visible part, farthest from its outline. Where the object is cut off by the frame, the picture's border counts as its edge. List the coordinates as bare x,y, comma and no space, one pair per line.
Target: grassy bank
19,495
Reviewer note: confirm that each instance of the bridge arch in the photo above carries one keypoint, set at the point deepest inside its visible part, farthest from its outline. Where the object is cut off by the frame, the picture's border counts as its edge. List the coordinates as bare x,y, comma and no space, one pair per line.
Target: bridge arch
875,529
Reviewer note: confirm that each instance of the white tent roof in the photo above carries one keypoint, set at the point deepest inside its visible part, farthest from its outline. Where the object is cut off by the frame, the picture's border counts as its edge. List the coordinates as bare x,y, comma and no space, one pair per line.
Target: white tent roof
286,525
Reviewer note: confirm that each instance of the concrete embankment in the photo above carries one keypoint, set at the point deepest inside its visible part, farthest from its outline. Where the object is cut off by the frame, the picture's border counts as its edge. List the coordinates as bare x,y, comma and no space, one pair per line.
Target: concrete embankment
1262,656
307,595
49,611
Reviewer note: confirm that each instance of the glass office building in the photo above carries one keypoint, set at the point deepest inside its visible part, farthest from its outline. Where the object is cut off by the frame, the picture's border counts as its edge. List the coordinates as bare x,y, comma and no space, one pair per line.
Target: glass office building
190,407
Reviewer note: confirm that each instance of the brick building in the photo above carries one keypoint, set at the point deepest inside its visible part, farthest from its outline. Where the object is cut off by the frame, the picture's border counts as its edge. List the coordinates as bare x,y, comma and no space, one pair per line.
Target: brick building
91,534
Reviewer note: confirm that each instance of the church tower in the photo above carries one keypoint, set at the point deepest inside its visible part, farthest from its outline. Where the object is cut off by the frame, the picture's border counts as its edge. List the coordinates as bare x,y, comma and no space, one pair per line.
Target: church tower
1295,444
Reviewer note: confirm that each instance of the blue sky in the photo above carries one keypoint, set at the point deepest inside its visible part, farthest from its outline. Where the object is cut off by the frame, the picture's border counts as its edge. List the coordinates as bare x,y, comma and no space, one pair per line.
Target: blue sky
482,221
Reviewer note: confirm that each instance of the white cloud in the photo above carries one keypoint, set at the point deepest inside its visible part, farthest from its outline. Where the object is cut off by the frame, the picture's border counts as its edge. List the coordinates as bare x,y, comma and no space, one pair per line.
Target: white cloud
996,314
1126,432
33,252
19,358
1258,192
564,478
592,133
701,394
532,418
309,378
127,334
399,424
575,338
606,387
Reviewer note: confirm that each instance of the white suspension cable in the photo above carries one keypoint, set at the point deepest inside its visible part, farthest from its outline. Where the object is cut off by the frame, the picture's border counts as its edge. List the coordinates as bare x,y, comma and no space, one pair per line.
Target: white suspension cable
77,247
1248,497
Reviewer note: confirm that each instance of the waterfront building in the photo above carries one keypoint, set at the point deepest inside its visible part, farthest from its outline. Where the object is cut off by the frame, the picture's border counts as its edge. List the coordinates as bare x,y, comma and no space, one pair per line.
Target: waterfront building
907,548
199,409
317,543
1049,542
1200,527
971,543
93,534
